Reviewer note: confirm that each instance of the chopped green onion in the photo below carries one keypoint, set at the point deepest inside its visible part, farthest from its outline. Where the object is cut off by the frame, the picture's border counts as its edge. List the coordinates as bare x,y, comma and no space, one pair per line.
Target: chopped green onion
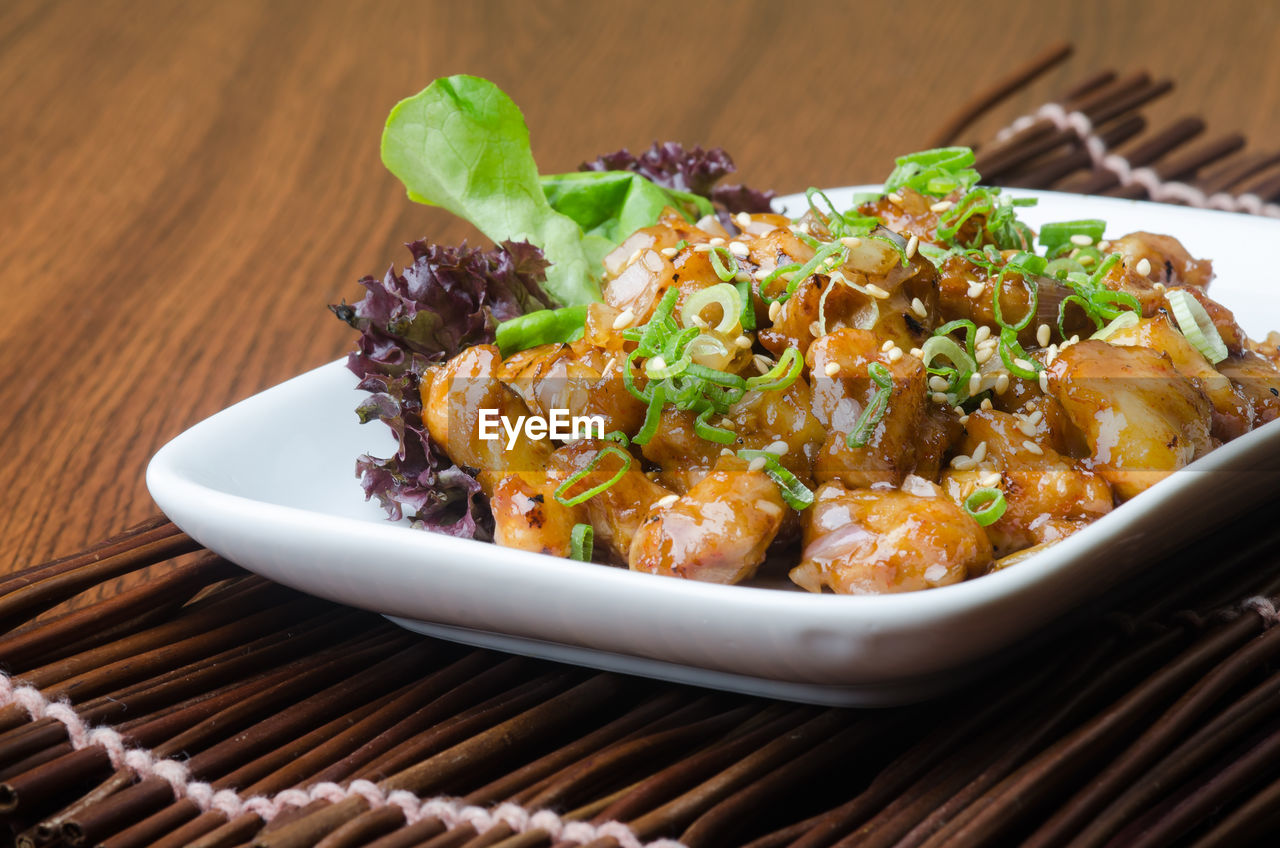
652,415
986,505
581,542
962,367
724,271
937,172
591,466
781,375
723,295
1011,352
840,224
804,272
1122,321
1054,236
747,318
875,409
795,493
710,432
619,437
1196,325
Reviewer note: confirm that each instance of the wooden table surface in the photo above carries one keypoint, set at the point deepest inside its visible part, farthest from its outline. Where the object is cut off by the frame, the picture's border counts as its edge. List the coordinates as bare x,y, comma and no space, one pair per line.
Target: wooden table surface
187,185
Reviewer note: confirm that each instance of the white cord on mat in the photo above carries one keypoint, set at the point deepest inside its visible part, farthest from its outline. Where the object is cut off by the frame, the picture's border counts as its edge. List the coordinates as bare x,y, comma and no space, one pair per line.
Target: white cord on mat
1170,191
450,811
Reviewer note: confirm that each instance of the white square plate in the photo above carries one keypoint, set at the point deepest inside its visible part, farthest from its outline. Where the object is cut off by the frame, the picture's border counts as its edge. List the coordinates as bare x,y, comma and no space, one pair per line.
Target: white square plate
268,483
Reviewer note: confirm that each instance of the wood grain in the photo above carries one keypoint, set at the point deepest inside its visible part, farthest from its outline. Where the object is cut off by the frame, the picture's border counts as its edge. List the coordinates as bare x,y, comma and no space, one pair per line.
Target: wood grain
186,185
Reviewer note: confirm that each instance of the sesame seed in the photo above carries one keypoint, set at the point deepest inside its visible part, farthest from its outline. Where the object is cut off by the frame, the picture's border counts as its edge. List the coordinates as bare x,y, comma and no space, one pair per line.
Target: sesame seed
1002,383
1073,340
963,463
757,464
727,423
702,248
656,364
1144,266
876,292
1024,364
991,480
851,241
666,501
1036,417
912,244
958,410
631,260
743,342
762,363
1104,244
895,197
884,348
1081,240
1044,382
1085,260
895,354
983,333
917,353
982,354
980,452
742,277
743,220
938,384
975,384
939,397
760,274
669,252
778,448
815,329
726,452
917,306
774,309
652,261
769,508
1159,287
1027,428
975,290
832,369
716,242
737,248
624,319
986,404
1031,447
964,419
1043,335
941,206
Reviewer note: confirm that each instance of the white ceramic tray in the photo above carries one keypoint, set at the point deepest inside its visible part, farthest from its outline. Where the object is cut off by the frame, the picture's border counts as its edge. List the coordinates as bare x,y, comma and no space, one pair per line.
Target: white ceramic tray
268,483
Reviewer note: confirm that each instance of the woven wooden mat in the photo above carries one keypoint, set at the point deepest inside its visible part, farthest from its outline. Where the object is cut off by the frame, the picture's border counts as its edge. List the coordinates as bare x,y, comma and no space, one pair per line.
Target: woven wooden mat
206,706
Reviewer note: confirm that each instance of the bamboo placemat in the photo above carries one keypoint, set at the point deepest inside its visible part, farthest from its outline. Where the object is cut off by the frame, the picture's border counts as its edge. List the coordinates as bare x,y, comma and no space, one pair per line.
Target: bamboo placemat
206,706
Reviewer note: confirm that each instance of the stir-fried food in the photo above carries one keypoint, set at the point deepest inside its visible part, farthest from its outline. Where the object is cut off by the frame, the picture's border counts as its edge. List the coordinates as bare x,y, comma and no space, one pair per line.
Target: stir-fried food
886,417
906,394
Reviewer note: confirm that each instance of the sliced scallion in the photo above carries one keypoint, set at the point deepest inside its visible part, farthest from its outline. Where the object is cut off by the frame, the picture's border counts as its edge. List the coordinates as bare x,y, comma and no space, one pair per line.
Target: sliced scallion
581,542
564,487
986,505
875,409
795,493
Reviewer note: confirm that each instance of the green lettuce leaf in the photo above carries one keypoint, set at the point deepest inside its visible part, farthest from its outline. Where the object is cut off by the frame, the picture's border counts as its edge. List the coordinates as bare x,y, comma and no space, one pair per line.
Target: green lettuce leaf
614,204
462,144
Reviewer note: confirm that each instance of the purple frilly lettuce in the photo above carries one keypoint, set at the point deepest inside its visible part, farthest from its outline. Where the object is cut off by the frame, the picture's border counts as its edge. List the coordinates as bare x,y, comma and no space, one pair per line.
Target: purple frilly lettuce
448,299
